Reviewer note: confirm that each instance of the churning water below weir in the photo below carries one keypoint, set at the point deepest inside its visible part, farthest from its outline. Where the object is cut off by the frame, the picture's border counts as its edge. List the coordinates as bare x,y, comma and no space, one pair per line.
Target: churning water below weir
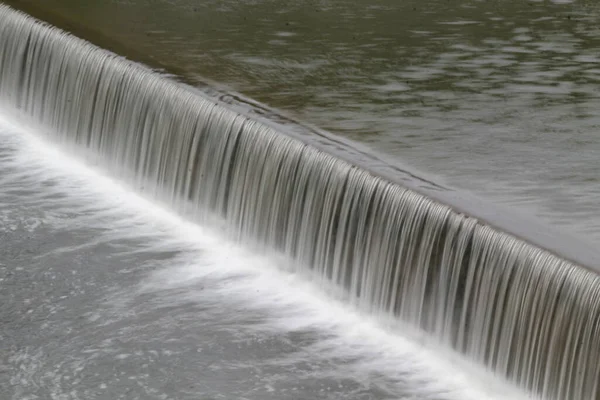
505,302
105,295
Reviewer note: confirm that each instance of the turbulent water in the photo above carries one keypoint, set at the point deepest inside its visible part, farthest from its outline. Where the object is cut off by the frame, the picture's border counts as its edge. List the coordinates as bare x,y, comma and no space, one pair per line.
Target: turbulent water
528,315
104,295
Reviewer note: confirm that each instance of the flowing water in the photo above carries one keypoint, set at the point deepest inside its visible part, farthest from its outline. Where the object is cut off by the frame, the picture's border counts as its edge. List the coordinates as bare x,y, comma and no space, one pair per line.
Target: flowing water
104,295
388,251
497,97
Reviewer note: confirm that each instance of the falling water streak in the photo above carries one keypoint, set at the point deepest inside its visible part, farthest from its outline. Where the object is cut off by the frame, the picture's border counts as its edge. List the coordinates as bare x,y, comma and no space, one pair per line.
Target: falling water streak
522,312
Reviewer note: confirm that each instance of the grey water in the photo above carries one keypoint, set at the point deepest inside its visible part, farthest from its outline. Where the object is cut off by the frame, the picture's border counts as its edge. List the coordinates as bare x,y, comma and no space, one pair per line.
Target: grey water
459,284
499,98
104,295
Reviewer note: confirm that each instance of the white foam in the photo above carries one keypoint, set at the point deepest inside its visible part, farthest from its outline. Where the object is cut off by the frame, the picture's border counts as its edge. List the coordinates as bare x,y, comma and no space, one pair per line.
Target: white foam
243,277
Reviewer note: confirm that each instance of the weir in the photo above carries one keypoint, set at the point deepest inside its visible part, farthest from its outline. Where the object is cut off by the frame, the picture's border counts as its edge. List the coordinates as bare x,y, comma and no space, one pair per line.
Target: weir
522,311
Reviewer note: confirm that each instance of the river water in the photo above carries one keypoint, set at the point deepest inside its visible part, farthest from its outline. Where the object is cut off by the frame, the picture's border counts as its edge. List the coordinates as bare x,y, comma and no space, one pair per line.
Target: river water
105,295
108,296
497,98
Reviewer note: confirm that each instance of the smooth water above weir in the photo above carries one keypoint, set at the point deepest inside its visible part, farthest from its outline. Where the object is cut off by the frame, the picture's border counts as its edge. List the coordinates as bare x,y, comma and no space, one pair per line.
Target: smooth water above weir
499,98
499,301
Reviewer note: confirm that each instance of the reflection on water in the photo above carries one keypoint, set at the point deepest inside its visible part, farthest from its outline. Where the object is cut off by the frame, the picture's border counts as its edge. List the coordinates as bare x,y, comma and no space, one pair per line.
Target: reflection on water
499,98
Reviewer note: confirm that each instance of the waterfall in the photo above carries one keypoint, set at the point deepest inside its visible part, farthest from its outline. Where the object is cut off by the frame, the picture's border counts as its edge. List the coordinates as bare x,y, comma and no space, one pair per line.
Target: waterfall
527,314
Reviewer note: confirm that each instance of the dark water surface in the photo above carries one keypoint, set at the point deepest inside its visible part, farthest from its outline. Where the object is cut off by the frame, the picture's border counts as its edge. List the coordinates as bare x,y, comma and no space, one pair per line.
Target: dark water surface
499,98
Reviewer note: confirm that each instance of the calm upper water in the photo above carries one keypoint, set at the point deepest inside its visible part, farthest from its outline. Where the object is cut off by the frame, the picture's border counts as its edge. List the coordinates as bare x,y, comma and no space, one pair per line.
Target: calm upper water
500,98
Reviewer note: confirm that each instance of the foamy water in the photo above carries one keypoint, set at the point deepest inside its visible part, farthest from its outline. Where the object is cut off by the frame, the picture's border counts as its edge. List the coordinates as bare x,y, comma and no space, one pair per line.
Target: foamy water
167,295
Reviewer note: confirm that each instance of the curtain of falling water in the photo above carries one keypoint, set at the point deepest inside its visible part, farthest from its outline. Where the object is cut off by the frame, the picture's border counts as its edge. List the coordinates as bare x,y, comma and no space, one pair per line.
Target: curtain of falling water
526,314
